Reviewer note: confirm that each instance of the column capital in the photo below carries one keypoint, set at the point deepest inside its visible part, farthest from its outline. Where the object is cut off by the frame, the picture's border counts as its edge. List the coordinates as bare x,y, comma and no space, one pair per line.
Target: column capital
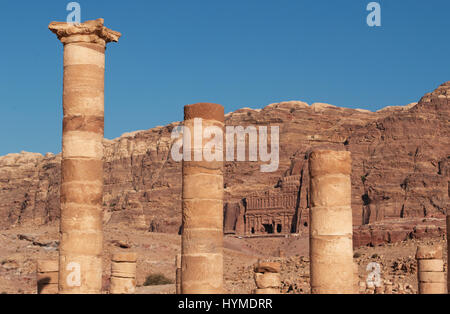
92,31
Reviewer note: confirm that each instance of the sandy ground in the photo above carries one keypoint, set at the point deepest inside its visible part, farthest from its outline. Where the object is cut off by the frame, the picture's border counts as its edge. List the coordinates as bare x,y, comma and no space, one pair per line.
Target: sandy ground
20,248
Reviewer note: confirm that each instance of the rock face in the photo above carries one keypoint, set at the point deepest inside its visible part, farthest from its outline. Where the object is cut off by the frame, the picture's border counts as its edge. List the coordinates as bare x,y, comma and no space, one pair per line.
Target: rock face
29,189
401,161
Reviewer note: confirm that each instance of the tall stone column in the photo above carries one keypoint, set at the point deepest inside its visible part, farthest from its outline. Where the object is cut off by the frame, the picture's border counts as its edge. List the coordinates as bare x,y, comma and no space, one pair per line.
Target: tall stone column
430,270
331,247
202,204
81,235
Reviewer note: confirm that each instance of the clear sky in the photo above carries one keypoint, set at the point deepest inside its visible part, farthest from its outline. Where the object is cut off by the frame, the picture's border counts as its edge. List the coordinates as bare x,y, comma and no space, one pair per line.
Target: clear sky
239,53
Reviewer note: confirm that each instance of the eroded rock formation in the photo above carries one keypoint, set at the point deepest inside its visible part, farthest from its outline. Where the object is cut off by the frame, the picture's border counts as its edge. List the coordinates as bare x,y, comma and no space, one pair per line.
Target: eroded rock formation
400,175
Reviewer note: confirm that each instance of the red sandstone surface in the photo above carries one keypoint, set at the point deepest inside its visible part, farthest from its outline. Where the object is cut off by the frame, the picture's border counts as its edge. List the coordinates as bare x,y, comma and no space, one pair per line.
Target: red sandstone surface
400,178
400,188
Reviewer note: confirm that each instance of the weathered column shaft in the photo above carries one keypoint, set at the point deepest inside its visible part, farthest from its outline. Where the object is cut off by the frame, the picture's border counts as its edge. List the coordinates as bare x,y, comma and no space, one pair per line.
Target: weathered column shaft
202,206
47,277
331,248
123,273
430,270
81,235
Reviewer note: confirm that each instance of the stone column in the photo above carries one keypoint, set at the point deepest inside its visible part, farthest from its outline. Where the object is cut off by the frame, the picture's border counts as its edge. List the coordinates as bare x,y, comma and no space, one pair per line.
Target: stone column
267,278
123,273
47,277
81,236
430,270
178,274
202,204
331,248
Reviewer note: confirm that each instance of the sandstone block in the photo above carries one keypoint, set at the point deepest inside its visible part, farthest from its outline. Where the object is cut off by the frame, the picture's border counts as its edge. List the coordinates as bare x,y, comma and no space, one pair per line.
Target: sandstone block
82,243
206,167
267,291
323,162
48,278
122,285
197,287
202,214
47,288
207,111
267,267
77,144
81,218
326,248
81,77
82,193
331,220
203,186
89,103
202,268
432,277
329,191
432,288
123,269
44,266
79,54
124,257
85,123
87,265
82,170
202,241
431,265
429,252
267,280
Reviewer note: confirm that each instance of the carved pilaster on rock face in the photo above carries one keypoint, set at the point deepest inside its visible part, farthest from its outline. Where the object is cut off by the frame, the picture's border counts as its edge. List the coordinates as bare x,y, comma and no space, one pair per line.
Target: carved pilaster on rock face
90,32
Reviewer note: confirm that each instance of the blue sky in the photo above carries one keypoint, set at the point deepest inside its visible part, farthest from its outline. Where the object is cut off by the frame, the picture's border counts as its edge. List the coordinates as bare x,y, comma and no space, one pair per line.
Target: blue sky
239,53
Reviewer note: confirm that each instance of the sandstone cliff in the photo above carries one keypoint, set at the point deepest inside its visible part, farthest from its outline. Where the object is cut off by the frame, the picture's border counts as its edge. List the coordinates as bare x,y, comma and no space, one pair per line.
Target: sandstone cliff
400,165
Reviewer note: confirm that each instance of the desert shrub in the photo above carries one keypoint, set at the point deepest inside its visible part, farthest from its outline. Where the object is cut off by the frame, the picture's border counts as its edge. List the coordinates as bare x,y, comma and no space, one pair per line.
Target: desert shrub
357,255
157,279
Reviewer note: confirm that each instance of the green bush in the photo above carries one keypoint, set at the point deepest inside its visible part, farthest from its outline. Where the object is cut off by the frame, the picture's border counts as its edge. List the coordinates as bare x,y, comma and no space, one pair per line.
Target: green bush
156,280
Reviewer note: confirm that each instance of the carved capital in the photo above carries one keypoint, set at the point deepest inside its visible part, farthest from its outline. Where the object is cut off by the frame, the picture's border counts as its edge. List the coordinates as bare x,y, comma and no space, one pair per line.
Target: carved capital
90,31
